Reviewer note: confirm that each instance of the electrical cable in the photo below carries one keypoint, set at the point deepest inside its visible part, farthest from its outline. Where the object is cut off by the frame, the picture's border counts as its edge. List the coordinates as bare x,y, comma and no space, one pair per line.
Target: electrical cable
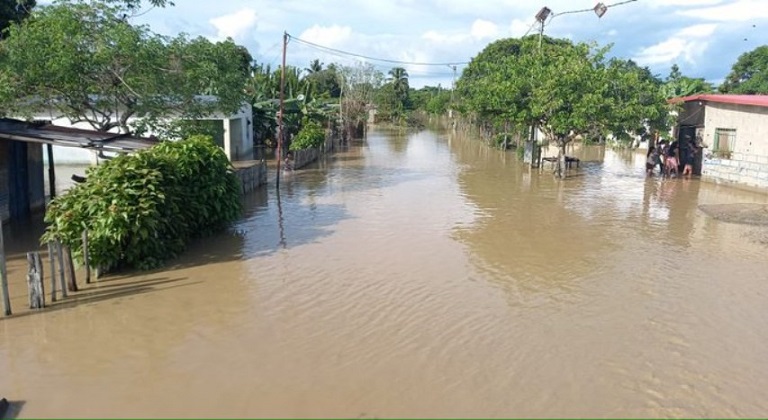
384,60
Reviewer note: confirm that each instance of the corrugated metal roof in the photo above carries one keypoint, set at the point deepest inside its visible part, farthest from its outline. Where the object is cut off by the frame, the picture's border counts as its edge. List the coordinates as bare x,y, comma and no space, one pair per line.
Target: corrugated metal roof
754,100
47,133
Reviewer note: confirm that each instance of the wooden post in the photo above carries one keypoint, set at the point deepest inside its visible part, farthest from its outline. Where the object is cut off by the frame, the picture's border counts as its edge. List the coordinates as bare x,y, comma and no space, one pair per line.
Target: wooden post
86,259
280,128
52,259
69,269
35,281
62,279
4,276
51,172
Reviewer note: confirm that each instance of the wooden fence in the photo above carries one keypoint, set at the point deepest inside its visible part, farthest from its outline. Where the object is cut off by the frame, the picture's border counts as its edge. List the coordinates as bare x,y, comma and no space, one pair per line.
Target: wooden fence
61,274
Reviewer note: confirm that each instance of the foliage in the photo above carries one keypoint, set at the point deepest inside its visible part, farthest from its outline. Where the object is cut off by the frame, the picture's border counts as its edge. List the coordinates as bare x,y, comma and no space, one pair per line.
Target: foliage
86,62
565,89
142,209
676,85
359,86
430,99
749,74
311,135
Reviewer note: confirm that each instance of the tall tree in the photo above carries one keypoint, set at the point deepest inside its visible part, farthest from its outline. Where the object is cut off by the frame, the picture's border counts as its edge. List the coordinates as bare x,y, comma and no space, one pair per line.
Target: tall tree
398,77
567,90
84,61
677,85
359,85
315,66
749,74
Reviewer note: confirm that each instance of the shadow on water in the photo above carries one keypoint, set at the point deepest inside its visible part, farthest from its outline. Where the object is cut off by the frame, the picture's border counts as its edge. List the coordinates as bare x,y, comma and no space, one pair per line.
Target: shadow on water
102,291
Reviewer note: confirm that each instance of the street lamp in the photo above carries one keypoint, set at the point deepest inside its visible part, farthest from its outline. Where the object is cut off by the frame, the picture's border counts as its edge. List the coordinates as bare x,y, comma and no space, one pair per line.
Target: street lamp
600,9
543,14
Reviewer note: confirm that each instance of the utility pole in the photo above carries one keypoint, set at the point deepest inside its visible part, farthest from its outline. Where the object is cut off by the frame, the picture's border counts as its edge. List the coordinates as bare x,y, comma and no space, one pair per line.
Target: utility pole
280,129
453,88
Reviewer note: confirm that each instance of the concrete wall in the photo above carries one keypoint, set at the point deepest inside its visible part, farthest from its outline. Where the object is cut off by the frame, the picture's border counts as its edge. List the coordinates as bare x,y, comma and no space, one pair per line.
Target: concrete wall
748,163
741,169
251,174
302,158
750,123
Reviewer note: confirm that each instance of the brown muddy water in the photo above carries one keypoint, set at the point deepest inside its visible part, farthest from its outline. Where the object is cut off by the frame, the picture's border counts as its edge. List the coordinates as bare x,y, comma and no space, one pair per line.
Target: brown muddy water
422,275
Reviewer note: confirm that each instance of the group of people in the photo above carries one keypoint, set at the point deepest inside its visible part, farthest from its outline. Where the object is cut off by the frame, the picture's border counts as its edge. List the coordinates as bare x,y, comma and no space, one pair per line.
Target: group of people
670,156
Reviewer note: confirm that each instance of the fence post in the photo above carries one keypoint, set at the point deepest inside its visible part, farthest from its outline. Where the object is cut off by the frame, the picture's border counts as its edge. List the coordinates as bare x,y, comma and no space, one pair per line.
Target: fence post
35,281
69,268
4,275
86,258
52,258
62,279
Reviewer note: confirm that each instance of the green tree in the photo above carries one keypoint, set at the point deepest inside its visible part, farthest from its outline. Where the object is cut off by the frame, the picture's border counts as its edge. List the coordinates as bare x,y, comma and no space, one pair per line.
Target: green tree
749,74
83,60
567,90
398,77
315,66
677,85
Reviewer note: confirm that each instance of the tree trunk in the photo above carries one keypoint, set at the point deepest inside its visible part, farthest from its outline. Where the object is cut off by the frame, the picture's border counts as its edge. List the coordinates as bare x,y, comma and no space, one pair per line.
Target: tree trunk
560,171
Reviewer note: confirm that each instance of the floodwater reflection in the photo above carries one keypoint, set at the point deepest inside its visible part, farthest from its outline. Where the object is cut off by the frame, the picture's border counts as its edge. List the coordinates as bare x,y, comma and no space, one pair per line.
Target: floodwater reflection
425,275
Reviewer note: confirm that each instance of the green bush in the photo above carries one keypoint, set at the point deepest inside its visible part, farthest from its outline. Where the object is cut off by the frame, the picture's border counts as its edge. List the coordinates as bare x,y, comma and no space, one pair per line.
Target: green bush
142,209
311,135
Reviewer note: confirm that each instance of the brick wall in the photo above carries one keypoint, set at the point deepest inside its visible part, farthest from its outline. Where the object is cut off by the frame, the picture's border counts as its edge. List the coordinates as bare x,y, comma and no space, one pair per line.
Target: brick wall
742,169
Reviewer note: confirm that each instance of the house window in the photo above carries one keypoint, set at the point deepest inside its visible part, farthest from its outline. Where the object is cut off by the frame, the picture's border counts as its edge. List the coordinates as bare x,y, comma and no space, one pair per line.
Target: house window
725,140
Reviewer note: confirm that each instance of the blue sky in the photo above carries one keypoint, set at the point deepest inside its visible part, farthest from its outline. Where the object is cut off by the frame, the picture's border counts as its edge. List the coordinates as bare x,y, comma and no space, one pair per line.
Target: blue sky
704,37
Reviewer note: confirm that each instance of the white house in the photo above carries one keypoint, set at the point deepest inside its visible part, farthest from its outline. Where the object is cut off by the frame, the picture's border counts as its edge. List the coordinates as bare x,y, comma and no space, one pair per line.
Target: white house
734,132
237,138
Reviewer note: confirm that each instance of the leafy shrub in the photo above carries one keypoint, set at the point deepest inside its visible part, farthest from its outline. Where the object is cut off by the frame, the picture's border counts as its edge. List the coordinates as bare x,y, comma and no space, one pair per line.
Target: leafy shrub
142,209
311,135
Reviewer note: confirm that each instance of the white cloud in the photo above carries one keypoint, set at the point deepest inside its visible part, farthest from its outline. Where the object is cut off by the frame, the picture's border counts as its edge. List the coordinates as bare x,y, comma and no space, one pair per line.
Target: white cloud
484,29
519,27
735,11
663,3
698,31
236,24
328,36
688,43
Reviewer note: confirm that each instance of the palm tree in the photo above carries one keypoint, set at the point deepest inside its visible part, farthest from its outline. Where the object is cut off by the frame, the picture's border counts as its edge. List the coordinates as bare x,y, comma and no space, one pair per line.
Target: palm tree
398,76
315,66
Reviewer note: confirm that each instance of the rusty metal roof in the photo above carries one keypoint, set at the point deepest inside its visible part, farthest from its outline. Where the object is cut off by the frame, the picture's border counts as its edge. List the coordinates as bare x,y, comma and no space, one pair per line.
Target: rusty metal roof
46,133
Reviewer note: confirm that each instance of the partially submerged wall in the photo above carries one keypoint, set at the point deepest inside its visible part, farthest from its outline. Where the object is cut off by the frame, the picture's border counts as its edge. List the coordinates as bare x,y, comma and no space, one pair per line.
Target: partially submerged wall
742,169
252,174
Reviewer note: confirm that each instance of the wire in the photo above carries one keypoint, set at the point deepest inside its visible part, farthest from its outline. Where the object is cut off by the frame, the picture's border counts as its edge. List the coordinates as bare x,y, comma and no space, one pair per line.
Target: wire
142,13
530,28
385,60
607,6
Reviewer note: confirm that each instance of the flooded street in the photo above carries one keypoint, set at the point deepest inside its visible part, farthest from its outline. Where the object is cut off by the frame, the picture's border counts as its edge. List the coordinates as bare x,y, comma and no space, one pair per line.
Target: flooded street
422,275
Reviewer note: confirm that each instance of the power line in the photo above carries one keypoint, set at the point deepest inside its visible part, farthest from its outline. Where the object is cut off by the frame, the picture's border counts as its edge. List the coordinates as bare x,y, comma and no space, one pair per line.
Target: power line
607,6
384,60
529,29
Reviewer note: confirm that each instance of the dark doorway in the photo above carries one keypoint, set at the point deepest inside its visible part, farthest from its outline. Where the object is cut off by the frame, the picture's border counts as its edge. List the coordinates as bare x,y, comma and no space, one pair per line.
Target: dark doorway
18,180
682,133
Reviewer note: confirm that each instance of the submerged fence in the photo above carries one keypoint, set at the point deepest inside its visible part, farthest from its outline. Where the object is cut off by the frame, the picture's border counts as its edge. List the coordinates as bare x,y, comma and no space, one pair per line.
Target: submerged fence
61,274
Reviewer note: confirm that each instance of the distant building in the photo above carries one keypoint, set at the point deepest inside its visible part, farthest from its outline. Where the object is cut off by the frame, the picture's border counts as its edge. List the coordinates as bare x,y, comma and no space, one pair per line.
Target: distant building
733,130
236,135
22,182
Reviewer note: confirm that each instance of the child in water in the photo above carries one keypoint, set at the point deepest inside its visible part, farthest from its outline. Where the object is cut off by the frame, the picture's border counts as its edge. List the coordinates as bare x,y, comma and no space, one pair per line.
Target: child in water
652,159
